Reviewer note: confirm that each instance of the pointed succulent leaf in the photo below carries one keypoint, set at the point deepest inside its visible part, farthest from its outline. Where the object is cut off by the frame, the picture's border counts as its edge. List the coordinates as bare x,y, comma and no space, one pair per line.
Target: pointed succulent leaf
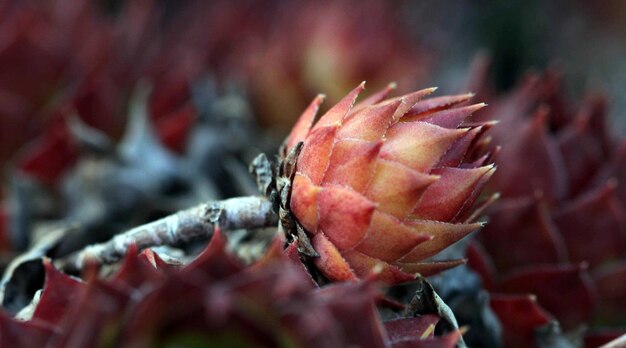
366,266
520,316
23,334
397,188
370,124
313,160
302,127
389,239
456,189
330,261
442,235
352,156
376,97
580,232
542,242
448,118
419,327
565,291
419,145
58,291
339,111
438,104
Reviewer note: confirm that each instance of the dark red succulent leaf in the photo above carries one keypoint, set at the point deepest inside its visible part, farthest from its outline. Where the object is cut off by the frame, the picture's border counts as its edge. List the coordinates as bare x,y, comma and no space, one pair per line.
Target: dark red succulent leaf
566,291
541,95
136,271
532,161
449,340
480,261
215,300
585,144
58,292
536,236
174,129
258,303
560,174
581,220
95,316
354,300
48,158
214,261
157,262
615,168
410,328
520,316
23,334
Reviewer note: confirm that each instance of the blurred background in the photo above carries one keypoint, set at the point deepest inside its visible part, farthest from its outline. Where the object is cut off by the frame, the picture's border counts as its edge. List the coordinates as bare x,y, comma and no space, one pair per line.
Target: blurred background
103,102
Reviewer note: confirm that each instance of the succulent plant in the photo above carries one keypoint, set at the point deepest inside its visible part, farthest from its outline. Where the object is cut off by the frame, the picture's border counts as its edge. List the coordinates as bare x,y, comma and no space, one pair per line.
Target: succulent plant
560,179
385,184
214,300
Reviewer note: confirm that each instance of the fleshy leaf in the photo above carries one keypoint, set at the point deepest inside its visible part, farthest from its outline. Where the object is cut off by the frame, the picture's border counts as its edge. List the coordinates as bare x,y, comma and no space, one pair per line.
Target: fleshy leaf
454,192
443,235
418,145
406,328
350,157
448,340
375,98
314,158
304,202
388,239
304,123
23,334
58,292
449,118
344,215
454,157
369,124
214,261
397,188
520,316
335,115
581,221
409,100
331,262
365,266
533,163
565,291
49,157
438,103
542,242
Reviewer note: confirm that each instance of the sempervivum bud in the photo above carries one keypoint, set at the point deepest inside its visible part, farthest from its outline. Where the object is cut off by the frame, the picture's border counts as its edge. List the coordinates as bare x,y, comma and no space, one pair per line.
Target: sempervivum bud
386,184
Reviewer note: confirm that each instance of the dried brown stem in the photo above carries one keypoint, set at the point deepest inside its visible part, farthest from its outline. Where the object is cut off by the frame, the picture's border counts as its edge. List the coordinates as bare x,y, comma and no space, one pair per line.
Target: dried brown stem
184,226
